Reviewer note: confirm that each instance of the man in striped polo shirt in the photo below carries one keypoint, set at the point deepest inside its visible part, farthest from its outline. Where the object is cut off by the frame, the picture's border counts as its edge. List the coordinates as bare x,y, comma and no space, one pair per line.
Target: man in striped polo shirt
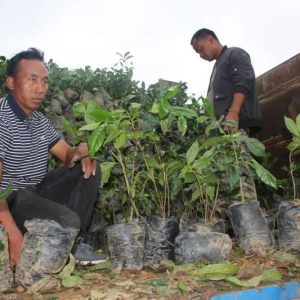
66,195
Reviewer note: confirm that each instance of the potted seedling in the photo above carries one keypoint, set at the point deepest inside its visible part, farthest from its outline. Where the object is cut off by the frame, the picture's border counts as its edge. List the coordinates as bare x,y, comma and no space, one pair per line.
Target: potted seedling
201,240
235,164
288,218
115,135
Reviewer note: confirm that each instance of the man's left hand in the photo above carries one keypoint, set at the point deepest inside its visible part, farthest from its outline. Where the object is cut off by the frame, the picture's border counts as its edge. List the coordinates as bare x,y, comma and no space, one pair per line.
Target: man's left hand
89,165
232,116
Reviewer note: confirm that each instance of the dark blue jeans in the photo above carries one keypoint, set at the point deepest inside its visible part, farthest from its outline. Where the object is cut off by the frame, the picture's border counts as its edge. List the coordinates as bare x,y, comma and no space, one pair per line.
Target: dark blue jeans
64,196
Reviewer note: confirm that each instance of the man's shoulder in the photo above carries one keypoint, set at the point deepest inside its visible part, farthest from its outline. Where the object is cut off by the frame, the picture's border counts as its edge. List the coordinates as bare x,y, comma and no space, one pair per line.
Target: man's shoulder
235,51
3,101
4,113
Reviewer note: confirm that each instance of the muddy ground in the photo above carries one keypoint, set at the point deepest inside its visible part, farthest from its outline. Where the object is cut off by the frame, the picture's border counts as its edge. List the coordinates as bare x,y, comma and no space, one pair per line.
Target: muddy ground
165,283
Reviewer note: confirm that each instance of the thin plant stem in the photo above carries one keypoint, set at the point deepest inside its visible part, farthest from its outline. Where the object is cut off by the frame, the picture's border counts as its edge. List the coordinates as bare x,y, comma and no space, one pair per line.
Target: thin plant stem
215,201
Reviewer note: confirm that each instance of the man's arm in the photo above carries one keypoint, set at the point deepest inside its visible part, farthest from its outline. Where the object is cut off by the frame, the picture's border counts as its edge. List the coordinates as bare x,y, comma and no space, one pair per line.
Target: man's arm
15,237
242,78
233,114
69,155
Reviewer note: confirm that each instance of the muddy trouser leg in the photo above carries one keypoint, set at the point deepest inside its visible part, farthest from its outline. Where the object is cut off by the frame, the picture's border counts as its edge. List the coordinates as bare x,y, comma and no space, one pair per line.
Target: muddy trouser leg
63,196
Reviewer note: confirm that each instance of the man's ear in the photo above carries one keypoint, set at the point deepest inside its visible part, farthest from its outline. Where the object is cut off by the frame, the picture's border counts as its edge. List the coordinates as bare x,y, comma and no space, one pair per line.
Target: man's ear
10,82
210,39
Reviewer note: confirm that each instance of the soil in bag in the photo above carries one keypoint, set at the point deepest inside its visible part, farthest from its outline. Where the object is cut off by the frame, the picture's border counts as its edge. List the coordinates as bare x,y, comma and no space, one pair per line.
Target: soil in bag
126,245
160,236
288,222
45,250
216,225
212,247
250,227
6,275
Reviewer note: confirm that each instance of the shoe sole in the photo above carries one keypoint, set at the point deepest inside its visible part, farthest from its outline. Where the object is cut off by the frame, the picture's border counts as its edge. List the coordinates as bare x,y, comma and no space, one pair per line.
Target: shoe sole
88,262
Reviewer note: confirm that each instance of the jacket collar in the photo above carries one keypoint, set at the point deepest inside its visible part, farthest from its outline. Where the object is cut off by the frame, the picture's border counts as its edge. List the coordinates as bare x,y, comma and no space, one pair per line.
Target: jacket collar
223,50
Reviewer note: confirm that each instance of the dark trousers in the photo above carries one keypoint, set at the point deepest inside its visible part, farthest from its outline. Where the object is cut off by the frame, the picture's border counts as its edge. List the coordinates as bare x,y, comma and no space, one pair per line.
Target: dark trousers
64,196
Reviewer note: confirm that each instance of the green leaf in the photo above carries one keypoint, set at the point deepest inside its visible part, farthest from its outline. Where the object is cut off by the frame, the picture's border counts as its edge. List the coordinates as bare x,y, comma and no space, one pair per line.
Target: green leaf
120,141
159,281
182,125
202,119
192,152
291,126
201,164
235,281
155,108
102,266
163,108
91,106
165,124
298,122
184,267
196,194
101,115
172,166
216,271
153,163
252,282
183,288
72,281
234,176
95,140
271,275
113,136
105,171
210,178
167,263
68,127
91,126
78,108
264,175
170,93
97,295
134,105
254,145
213,141
68,269
184,112
6,192
283,256
208,107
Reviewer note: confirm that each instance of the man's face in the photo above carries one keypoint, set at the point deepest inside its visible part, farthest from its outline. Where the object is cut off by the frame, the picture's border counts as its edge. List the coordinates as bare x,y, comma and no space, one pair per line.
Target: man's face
30,84
205,48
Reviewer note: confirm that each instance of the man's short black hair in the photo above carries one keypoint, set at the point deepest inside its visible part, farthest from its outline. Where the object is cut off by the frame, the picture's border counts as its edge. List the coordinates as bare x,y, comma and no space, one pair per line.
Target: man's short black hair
31,53
203,33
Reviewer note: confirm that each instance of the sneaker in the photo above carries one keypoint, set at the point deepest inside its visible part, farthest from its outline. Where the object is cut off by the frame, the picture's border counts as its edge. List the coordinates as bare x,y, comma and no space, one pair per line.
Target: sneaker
84,255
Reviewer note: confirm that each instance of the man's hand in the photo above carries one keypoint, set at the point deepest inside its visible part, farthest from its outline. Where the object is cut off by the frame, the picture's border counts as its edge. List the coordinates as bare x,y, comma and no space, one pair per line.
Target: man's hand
15,242
232,116
70,155
82,154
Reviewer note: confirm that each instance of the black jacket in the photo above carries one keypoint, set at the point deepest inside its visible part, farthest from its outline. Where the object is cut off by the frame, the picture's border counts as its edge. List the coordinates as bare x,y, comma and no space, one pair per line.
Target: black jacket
234,74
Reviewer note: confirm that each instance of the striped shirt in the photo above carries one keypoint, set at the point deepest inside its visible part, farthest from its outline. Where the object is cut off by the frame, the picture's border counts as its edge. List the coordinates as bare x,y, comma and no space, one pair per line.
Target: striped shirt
24,144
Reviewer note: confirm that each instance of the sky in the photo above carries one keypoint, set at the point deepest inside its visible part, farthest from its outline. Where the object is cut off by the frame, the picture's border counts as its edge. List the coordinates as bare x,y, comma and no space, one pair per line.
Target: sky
156,32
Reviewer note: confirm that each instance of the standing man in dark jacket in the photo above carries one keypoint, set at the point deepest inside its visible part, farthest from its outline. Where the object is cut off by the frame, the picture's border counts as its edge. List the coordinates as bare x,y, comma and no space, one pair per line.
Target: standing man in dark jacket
232,89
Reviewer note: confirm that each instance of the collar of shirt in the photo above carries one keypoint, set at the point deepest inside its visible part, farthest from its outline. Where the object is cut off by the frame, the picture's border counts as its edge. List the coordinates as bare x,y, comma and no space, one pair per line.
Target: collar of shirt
20,114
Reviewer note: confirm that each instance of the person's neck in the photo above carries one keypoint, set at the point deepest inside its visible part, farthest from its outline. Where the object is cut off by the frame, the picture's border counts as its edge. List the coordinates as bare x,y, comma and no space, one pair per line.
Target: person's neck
219,51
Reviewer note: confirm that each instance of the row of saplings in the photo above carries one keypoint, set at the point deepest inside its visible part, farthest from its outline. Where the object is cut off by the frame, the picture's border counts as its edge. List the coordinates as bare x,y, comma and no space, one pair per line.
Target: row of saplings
141,244
145,242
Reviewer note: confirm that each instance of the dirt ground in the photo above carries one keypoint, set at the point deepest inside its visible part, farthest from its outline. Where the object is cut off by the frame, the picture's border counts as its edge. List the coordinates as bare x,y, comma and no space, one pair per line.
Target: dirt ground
101,283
